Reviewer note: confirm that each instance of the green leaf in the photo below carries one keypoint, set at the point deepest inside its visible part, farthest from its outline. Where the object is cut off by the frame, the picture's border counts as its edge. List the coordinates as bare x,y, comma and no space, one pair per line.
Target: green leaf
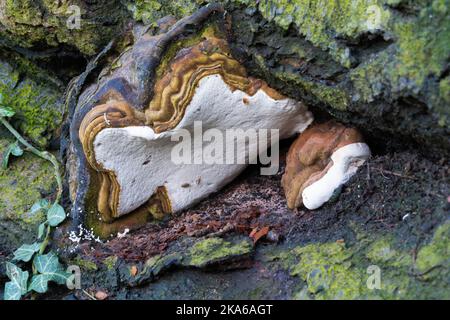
41,204
12,291
41,230
48,264
17,287
55,215
39,283
6,111
26,252
45,263
14,149
60,276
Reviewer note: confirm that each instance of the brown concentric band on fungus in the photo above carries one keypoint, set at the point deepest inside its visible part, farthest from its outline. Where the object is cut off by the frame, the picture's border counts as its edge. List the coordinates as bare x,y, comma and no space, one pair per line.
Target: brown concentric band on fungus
110,115
174,91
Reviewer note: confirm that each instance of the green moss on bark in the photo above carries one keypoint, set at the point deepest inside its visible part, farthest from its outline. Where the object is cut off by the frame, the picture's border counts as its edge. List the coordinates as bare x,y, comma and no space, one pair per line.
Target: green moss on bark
214,250
337,271
26,180
35,98
327,270
110,262
323,21
31,23
382,252
149,11
84,264
22,184
435,254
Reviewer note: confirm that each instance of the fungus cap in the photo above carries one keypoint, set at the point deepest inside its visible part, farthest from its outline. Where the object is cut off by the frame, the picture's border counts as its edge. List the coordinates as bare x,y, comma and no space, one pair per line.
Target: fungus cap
141,159
323,158
125,124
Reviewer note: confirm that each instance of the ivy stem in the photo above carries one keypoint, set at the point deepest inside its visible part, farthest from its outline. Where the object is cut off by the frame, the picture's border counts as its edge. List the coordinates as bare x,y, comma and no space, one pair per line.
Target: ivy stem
47,156
46,240
42,154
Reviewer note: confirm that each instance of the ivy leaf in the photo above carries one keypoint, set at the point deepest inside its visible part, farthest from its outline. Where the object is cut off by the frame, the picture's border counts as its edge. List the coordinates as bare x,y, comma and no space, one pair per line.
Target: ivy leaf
26,252
41,204
45,263
55,215
39,283
13,149
17,287
48,265
15,274
16,150
41,230
12,291
6,111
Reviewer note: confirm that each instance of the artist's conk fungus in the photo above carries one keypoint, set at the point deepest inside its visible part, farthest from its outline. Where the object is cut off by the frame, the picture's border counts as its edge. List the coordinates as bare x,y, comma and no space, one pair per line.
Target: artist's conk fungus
323,158
124,127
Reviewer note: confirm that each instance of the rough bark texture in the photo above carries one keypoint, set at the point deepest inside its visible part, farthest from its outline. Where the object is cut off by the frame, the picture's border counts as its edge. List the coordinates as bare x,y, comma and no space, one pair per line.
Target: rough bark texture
40,28
393,215
382,65
390,80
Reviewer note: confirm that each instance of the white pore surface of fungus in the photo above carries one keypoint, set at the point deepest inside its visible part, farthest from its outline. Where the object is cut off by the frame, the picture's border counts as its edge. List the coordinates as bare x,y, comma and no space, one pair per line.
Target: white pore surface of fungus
141,159
346,161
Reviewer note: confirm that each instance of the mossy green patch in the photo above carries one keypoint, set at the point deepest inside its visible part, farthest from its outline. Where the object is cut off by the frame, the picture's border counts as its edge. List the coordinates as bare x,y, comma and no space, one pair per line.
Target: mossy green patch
422,47
369,83
214,250
323,21
327,270
419,53
22,184
29,23
149,11
201,254
110,262
331,96
337,271
382,252
421,44
39,111
443,102
435,254
158,263
85,264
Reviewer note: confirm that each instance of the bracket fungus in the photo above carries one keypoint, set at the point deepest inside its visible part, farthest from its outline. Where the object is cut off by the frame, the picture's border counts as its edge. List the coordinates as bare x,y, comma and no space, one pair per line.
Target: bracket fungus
124,126
322,158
